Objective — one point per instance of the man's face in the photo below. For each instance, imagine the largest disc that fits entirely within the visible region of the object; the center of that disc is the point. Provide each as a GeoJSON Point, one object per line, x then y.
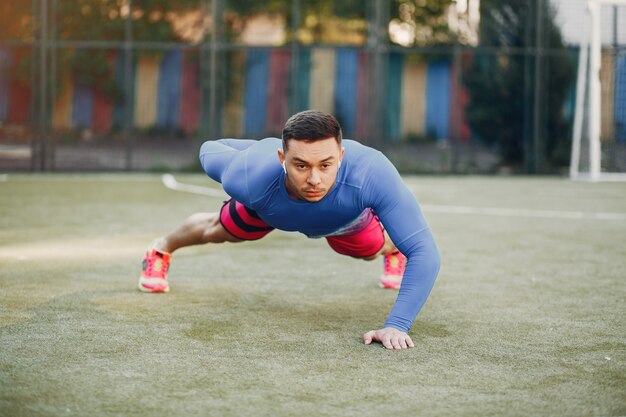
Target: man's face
{"type": "Point", "coordinates": [311, 167]}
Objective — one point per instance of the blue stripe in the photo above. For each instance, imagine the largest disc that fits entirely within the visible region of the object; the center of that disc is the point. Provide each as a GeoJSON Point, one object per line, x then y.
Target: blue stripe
{"type": "Point", "coordinates": [438, 99]}
{"type": "Point", "coordinates": [303, 82]}
{"type": "Point", "coordinates": [169, 89]}
{"type": "Point", "coordinates": [5, 65]}
{"type": "Point", "coordinates": [82, 106]}
{"type": "Point", "coordinates": [620, 98]}
{"type": "Point", "coordinates": [118, 109]}
{"type": "Point", "coordinates": [255, 96]}
{"type": "Point", "coordinates": [394, 94]}
{"type": "Point", "coordinates": [346, 78]}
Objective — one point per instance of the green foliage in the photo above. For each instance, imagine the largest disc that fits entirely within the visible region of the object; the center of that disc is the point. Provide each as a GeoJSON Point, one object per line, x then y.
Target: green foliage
{"type": "Point", "coordinates": [249, 7]}
{"type": "Point", "coordinates": [427, 17]}
{"type": "Point", "coordinates": [344, 9]}
{"type": "Point", "coordinates": [498, 85]}
{"type": "Point", "coordinates": [15, 20]}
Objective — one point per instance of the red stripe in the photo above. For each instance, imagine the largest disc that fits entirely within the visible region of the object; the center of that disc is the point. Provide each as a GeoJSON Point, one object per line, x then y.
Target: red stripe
{"type": "Point", "coordinates": [190, 95]}
{"type": "Point", "coordinates": [102, 104]}
{"type": "Point", "coordinates": [19, 91]}
{"type": "Point", "coordinates": [459, 99]}
{"type": "Point", "coordinates": [360, 245]}
{"type": "Point", "coordinates": [102, 112]}
{"type": "Point", "coordinates": [278, 86]}
{"type": "Point", "coordinates": [232, 228]}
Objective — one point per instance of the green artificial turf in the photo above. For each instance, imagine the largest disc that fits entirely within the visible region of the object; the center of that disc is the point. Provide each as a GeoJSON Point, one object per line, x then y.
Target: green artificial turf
{"type": "Point", "coordinates": [527, 317]}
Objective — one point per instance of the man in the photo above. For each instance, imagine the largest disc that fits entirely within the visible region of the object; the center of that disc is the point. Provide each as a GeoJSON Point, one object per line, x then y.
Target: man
{"type": "Point", "coordinates": [321, 186]}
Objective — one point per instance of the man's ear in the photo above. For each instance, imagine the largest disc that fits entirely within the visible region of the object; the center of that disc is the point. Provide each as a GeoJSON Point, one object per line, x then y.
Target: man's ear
{"type": "Point", "coordinates": [341, 155]}
{"type": "Point", "coordinates": [281, 158]}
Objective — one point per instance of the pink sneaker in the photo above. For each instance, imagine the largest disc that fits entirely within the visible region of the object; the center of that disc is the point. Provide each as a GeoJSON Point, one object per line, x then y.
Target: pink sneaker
{"type": "Point", "coordinates": [153, 276]}
{"type": "Point", "coordinates": [395, 263]}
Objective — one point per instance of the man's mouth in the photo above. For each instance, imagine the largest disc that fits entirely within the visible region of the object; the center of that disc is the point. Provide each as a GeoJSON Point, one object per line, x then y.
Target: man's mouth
{"type": "Point", "coordinates": [313, 192]}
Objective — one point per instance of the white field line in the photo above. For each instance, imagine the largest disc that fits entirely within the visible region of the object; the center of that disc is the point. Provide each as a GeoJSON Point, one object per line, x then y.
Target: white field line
{"type": "Point", "coordinates": [4, 177]}
{"type": "Point", "coordinates": [507, 212]}
{"type": "Point", "coordinates": [170, 182]}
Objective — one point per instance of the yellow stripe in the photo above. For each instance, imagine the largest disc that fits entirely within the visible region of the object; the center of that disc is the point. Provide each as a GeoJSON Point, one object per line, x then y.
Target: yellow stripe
{"type": "Point", "coordinates": [413, 99]}
{"type": "Point", "coordinates": [607, 75]}
{"type": "Point", "coordinates": [146, 91]}
{"type": "Point", "coordinates": [62, 112]}
{"type": "Point", "coordinates": [322, 80]}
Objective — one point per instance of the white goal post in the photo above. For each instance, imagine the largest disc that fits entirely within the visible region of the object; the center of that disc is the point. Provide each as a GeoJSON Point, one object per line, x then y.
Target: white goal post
{"type": "Point", "coordinates": [588, 107]}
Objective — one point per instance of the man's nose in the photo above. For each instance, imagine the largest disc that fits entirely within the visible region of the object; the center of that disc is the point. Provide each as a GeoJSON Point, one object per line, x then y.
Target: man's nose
{"type": "Point", "coordinates": [314, 178]}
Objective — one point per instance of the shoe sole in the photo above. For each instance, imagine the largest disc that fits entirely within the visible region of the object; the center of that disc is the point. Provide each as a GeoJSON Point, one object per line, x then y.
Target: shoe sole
{"type": "Point", "coordinates": [155, 290]}
{"type": "Point", "coordinates": [388, 286]}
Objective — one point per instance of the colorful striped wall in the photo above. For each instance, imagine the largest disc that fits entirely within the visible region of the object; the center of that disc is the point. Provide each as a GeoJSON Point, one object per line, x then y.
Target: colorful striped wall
{"type": "Point", "coordinates": [166, 93]}
{"type": "Point", "coordinates": [421, 97]}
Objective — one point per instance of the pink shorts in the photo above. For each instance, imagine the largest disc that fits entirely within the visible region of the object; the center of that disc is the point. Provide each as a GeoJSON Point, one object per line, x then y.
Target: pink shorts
{"type": "Point", "coordinates": [245, 224]}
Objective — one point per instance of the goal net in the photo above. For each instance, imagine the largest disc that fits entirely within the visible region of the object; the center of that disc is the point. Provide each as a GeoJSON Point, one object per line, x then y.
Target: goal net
{"type": "Point", "coordinates": [599, 134]}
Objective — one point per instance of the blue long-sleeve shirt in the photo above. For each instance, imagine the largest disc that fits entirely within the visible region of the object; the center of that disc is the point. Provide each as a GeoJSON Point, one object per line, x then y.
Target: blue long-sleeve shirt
{"type": "Point", "coordinates": [251, 173]}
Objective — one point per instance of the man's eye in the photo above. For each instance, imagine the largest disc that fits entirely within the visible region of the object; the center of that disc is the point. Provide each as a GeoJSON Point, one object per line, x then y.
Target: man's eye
{"type": "Point", "coordinates": [300, 166]}
{"type": "Point", "coordinates": [325, 166]}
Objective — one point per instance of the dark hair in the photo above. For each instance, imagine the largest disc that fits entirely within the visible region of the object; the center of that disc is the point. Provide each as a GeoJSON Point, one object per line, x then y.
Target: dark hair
{"type": "Point", "coordinates": [311, 125]}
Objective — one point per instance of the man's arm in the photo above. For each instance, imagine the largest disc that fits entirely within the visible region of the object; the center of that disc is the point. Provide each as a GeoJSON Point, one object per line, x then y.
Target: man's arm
{"type": "Point", "coordinates": [400, 213]}
{"type": "Point", "coordinates": [389, 337]}
{"type": "Point", "coordinates": [216, 156]}
{"type": "Point", "coordinates": [239, 144]}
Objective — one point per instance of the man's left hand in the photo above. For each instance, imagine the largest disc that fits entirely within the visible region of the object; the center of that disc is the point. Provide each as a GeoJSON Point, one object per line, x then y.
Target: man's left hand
{"type": "Point", "coordinates": [389, 337]}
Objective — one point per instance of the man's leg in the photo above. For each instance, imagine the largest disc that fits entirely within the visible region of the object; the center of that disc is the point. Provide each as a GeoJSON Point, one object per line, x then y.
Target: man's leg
{"type": "Point", "coordinates": [388, 248]}
{"type": "Point", "coordinates": [393, 266]}
{"type": "Point", "coordinates": [370, 243]}
{"type": "Point", "coordinates": [198, 229]}
{"type": "Point", "coordinates": [234, 223]}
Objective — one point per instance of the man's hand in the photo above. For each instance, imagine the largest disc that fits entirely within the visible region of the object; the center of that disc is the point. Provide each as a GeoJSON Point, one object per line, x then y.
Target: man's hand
{"type": "Point", "coordinates": [389, 337]}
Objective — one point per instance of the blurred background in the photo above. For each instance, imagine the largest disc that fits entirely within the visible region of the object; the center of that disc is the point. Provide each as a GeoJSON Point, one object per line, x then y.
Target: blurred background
{"type": "Point", "coordinates": [440, 86]}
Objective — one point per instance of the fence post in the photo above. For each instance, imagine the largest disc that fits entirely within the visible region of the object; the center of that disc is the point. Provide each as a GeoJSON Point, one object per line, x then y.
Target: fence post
{"type": "Point", "coordinates": [128, 99]}
{"type": "Point", "coordinates": [214, 128]}
{"type": "Point", "coordinates": [43, 86]}
{"type": "Point", "coordinates": [295, 99]}
{"type": "Point", "coordinates": [53, 84]}
{"type": "Point", "coordinates": [528, 91]}
{"type": "Point", "coordinates": [455, 128]}
{"type": "Point", "coordinates": [537, 154]}
{"type": "Point", "coordinates": [376, 43]}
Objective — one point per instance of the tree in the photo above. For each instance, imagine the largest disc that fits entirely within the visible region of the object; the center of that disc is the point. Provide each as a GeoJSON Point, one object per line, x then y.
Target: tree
{"type": "Point", "coordinates": [425, 20]}
{"type": "Point", "coordinates": [15, 20]}
{"type": "Point", "coordinates": [500, 84]}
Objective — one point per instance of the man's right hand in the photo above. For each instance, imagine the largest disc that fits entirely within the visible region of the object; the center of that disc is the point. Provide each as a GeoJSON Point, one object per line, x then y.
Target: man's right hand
{"type": "Point", "coordinates": [389, 337]}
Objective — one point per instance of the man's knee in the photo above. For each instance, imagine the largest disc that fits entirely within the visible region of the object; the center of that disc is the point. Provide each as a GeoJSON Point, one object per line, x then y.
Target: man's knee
{"type": "Point", "coordinates": [214, 231]}
{"type": "Point", "coordinates": [371, 258]}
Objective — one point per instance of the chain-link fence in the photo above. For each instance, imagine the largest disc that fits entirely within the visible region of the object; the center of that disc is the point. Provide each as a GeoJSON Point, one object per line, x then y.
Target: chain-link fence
{"type": "Point", "coordinates": [463, 86]}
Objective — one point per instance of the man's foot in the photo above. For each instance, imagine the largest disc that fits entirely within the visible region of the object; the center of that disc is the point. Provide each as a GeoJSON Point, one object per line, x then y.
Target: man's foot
{"type": "Point", "coordinates": [153, 276]}
{"type": "Point", "coordinates": [395, 263]}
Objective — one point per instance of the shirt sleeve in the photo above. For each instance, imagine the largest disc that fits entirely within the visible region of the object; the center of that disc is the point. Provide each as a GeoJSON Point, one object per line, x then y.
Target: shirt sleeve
{"type": "Point", "coordinates": [400, 214]}
{"type": "Point", "coordinates": [239, 144]}
{"type": "Point", "coordinates": [217, 156]}
{"type": "Point", "coordinates": [225, 161]}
